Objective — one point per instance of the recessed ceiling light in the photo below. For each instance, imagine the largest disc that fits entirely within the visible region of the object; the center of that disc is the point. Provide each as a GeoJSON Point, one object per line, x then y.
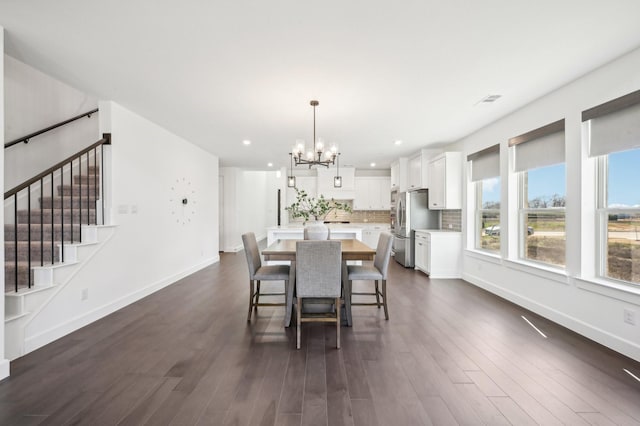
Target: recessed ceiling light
{"type": "Point", "coordinates": [398, 142]}
{"type": "Point", "coordinates": [246, 142]}
{"type": "Point", "coordinates": [373, 164]}
{"type": "Point", "coordinates": [269, 164]}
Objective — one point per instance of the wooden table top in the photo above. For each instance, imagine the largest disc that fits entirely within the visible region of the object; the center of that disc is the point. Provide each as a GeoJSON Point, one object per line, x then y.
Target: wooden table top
{"type": "Point", "coordinates": [352, 249]}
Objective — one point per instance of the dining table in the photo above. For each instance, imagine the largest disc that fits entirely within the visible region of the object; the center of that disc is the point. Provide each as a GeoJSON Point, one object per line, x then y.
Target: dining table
{"type": "Point", "coordinates": [285, 250]}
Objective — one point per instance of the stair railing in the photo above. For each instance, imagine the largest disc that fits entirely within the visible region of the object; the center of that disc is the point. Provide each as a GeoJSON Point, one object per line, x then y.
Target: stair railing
{"type": "Point", "coordinates": [26, 139]}
{"type": "Point", "coordinates": [68, 170]}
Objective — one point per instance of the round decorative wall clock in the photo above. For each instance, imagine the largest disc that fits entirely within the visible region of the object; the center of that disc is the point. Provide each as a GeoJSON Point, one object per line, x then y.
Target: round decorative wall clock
{"type": "Point", "coordinates": [183, 201]}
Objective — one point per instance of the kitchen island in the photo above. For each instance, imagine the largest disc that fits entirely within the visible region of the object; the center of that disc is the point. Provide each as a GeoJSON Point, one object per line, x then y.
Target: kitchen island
{"type": "Point", "coordinates": [295, 232]}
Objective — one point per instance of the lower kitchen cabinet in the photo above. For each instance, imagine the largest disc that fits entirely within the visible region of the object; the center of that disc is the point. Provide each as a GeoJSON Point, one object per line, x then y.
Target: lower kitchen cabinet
{"type": "Point", "coordinates": [371, 234]}
{"type": "Point", "coordinates": [438, 253]}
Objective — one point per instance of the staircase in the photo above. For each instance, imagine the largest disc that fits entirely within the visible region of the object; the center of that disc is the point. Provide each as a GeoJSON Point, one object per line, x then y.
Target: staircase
{"type": "Point", "coordinates": [54, 222]}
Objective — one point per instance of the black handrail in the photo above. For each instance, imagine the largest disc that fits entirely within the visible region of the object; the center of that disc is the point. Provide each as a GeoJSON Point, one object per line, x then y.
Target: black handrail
{"type": "Point", "coordinates": [106, 140]}
{"type": "Point", "coordinates": [25, 139]}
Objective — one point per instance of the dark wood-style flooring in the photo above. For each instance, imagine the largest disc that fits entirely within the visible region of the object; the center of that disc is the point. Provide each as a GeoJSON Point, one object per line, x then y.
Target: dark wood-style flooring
{"type": "Point", "coordinates": [450, 354]}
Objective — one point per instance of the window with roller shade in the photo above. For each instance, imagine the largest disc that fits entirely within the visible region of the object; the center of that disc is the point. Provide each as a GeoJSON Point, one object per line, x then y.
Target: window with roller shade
{"type": "Point", "coordinates": [485, 174]}
{"type": "Point", "coordinates": [613, 129]}
{"type": "Point", "coordinates": [540, 164]}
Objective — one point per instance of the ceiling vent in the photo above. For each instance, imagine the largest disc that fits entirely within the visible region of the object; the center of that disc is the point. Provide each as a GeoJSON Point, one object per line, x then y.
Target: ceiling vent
{"type": "Point", "coordinates": [489, 99]}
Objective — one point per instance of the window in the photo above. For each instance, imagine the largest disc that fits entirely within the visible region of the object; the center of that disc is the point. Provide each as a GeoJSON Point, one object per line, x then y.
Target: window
{"type": "Point", "coordinates": [539, 160]}
{"type": "Point", "coordinates": [485, 173]}
{"type": "Point", "coordinates": [614, 139]}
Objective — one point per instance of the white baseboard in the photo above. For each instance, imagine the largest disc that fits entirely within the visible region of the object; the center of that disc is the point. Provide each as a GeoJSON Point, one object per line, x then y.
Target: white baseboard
{"type": "Point", "coordinates": [4, 368]}
{"type": "Point", "coordinates": [625, 347]}
{"type": "Point", "coordinates": [45, 337]}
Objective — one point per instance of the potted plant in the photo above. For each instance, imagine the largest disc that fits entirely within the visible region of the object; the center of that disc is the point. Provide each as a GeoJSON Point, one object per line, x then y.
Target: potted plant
{"type": "Point", "coordinates": [310, 208]}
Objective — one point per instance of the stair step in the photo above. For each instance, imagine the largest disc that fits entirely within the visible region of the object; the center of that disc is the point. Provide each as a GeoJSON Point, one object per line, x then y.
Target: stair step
{"type": "Point", "coordinates": [90, 190]}
{"type": "Point", "coordinates": [79, 216]}
{"type": "Point", "coordinates": [37, 251]}
{"type": "Point", "coordinates": [47, 229]}
{"type": "Point", "coordinates": [57, 202]}
{"type": "Point", "coordinates": [92, 179]}
{"type": "Point", "coordinates": [10, 276]}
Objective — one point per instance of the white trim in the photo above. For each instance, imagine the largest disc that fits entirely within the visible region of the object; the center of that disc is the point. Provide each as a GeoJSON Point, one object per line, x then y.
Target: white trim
{"type": "Point", "coordinates": [48, 336]}
{"type": "Point", "coordinates": [615, 290]}
{"type": "Point", "coordinates": [4, 368]}
{"type": "Point", "coordinates": [484, 255]}
{"type": "Point", "coordinates": [624, 346]}
{"type": "Point", "coordinates": [538, 269]}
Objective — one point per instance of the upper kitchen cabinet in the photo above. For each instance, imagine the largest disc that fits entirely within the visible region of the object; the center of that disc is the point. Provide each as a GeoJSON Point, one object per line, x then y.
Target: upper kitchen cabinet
{"type": "Point", "coordinates": [372, 193]}
{"type": "Point", "coordinates": [418, 170]}
{"type": "Point", "coordinates": [445, 182]}
{"type": "Point", "coordinates": [399, 175]}
{"type": "Point", "coordinates": [325, 183]}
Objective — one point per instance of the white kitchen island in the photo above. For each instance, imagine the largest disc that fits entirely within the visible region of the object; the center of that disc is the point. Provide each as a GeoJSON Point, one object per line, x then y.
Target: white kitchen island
{"type": "Point", "coordinates": [295, 232]}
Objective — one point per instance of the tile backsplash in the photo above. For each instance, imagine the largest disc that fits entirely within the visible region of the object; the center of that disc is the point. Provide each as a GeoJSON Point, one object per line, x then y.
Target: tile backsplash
{"type": "Point", "coordinates": [357, 216]}
{"type": "Point", "coordinates": [453, 218]}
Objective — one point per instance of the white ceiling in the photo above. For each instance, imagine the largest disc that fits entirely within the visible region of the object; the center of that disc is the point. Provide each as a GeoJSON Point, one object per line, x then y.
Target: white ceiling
{"type": "Point", "coordinates": [217, 73]}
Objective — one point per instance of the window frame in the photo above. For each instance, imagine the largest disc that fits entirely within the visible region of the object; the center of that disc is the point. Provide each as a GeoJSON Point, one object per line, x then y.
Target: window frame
{"type": "Point", "coordinates": [479, 229]}
{"type": "Point", "coordinates": [523, 213]}
{"type": "Point", "coordinates": [602, 222]}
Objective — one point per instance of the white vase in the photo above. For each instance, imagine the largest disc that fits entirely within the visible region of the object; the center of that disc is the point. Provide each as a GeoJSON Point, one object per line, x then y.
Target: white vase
{"type": "Point", "coordinates": [316, 230]}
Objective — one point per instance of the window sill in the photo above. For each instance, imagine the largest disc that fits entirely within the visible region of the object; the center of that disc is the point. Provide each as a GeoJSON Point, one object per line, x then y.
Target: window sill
{"type": "Point", "coordinates": [487, 256]}
{"type": "Point", "coordinates": [543, 271]}
{"type": "Point", "coordinates": [616, 290]}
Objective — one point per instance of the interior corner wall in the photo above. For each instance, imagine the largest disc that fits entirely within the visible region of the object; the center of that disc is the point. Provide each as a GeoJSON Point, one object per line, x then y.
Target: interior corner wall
{"type": "Point", "coordinates": [156, 239]}
{"type": "Point", "coordinates": [33, 102]}
{"type": "Point", "coordinates": [4, 363]}
{"type": "Point", "coordinates": [250, 204]}
{"type": "Point", "coordinates": [572, 300]}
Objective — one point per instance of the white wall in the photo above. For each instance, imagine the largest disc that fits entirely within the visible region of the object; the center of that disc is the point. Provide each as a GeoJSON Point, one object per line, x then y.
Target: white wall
{"type": "Point", "coordinates": [574, 299]}
{"type": "Point", "coordinates": [4, 363]}
{"type": "Point", "coordinates": [151, 248]}
{"type": "Point", "coordinates": [250, 204]}
{"type": "Point", "coordinates": [35, 101]}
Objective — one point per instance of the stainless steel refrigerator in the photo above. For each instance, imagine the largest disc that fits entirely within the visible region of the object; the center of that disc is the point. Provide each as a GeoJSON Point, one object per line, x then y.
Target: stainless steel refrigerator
{"type": "Point", "coordinates": [412, 212]}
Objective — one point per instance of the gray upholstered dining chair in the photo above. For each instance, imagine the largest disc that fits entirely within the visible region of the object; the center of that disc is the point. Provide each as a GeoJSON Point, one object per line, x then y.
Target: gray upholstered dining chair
{"type": "Point", "coordinates": [318, 276]}
{"type": "Point", "coordinates": [376, 272]}
{"type": "Point", "coordinates": [306, 235]}
{"type": "Point", "coordinates": [259, 272]}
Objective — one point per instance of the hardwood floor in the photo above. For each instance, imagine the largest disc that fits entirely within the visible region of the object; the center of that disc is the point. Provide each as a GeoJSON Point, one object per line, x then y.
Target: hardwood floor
{"type": "Point", "coordinates": [450, 354]}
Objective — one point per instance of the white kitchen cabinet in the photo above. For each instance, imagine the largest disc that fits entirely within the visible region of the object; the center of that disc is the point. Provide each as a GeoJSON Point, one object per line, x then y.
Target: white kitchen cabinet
{"type": "Point", "coordinates": [399, 174]}
{"type": "Point", "coordinates": [372, 193]}
{"type": "Point", "coordinates": [371, 233]}
{"type": "Point", "coordinates": [325, 183]}
{"type": "Point", "coordinates": [445, 182]}
{"type": "Point", "coordinates": [418, 170]}
{"type": "Point", "coordinates": [439, 253]}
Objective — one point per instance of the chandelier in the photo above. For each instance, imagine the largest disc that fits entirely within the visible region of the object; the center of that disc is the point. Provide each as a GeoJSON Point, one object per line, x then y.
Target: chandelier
{"type": "Point", "coordinates": [317, 156]}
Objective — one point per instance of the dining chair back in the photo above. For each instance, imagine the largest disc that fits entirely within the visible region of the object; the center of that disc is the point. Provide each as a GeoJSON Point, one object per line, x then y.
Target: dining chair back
{"type": "Point", "coordinates": [259, 272]}
{"type": "Point", "coordinates": [314, 235]}
{"type": "Point", "coordinates": [318, 275]}
{"type": "Point", "coordinates": [376, 272]}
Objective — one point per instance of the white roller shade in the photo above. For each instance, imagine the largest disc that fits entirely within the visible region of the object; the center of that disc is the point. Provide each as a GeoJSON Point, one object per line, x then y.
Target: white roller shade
{"type": "Point", "coordinates": [485, 166]}
{"type": "Point", "coordinates": [540, 152]}
{"type": "Point", "coordinates": [618, 131]}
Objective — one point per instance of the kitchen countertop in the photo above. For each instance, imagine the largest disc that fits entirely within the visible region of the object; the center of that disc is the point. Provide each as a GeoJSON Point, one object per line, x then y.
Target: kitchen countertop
{"type": "Point", "coordinates": [444, 231]}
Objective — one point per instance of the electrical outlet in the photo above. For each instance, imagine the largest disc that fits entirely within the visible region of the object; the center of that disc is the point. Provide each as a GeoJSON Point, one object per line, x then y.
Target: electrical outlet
{"type": "Point", "coordinates": [451, 226]}
{"type": "Point", "coordinates": [85, 294]}
{"type": "Point", "coordinates": [629, 317]}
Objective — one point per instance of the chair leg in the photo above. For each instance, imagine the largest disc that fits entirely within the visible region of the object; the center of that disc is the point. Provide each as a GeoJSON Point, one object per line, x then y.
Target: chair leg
{"type": "Point", "coordinates": [384, 299]}
{"type": "Point", "coordinates": [257, 295]}
{"type": "Point", "coordinates": [298, 321]}
{"type": "Point", "coordinates": [338, 322]}
{"type": "Point", "coordinates": [250, 300]}
{"type": "Point", "coordinates": [377, 294]}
